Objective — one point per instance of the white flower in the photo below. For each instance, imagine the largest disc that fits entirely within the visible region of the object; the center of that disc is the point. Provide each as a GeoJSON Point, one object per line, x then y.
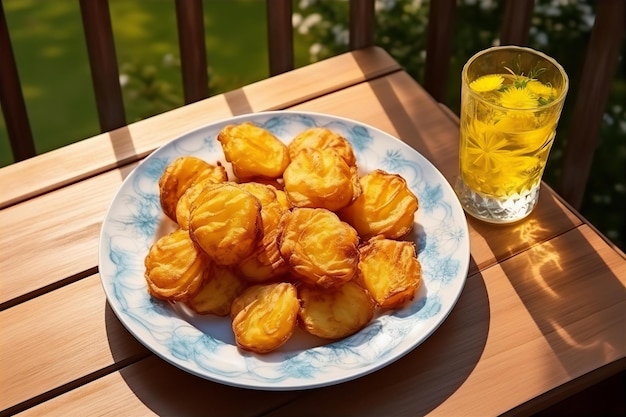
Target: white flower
{"type": "Point", "coordinates": [342, 35]}
{"type": "Point", "coordinates": [487, 4]}
{"type": "Point", "coordinates": [541, 38]}
{"type": "Point", "coordinates": [587, 15]}
{"type": "Point", "coordinates": [314, 51]}
{"type": "Point", "coordinates": [306, 3]}
{"type": "Point", "coordinates": [168, 59]}
{"type": "Point", "coordinates": [315, 48]}
{"type": "Point", "coordinates": [384, 5]}
{"type": "Point", "coordinates": [296, 19]}
{"type": "Point", "coordinates": [308, 22]}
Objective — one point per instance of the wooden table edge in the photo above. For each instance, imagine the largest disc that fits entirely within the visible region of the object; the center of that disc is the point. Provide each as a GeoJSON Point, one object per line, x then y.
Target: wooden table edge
{"type": "Point", "coordinates": [20, 181]}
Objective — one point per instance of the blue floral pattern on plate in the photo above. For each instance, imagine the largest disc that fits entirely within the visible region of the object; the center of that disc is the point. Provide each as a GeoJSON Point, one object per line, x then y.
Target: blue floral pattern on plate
{"type": "Point", "coordinates": [204, 345]}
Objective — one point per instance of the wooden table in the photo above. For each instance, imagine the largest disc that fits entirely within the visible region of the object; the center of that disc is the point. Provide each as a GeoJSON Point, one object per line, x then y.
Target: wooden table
{"type": "Point", "coordinates": [542, 314]}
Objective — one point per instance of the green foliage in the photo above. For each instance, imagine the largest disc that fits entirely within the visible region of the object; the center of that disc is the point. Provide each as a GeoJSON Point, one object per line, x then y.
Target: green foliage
{"type": "Point", "coordinates": [49, 47]}
{"type": "Point", "coordinates": [148, 92]}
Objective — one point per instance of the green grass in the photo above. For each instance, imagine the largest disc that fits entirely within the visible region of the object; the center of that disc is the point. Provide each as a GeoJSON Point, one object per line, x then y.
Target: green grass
{"type": "Point", "coordinates": [53, 70]}
{"type": "Point", "coordinates": [48, 43]}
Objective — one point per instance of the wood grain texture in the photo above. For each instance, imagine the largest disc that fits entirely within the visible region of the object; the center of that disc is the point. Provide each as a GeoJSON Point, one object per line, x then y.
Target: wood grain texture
{"type": "Point", "coordinates": [58, 338]}
{"type": "Point", "coordinates": [105, 76]}
{"type": "Point", "coordinates": [516, 21]}
{"type": "Point", "coordinates": [107, 151]}
{"type": "Point", "coordinates": [192, 47]}
{"type": "Point", "coordinates": [544, 305]}
{"type": "Point", "coordinates": [606, 45]}
{"type": "Point", "coordinates": [54, 237]}
{"type": "Point", "coordinates": [439, 40]}
{"type": "Point", "coordinates": [362, 23]}
{"type": "Point", "coordinates": [511, 337]}
{"type": "Point", "coordinates": [280, 36]}
{"type": "Point", "coordinates": [153, 387]}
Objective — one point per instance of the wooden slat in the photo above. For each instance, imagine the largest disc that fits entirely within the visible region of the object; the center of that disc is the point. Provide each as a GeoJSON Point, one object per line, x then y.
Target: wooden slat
{"type": "Point", "coordinates": [71, 217]}
{"type": "Point", "coordinates": [594, 86]}
{"type": "Point", "coordinates": [103, 63]}
{"type": "Point", "coordinates": [62, 243]}
{"type": "Point", "coordinates": [362, 24]}
{"type": "Point", "coordinates": [510, 338]}
{"type": "Point", "coordinates": [154, 387]}
{"type": "Point", "coordinates": [11, 98]}
{"type": "Point", "coordinates": [78, 336]}
{"type": "Point", "coordinates": [190, 24]}
{"type": "Point", "coordinates": [516, 22]}
{"type": "Point", "coordinates": [106, 151]}
{"type": "Point", "coordinates": [438, 47]}
{"type": "Point", "coordinates": [280, 36]}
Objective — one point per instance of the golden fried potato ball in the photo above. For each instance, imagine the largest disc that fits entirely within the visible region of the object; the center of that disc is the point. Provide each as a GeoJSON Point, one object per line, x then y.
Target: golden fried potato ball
{"type": "Point", "coordinates": [183, 208]}
{"type": "Point", "coordinates": [320, 178]}
{"type": "Point", "coordinates": [319, 248]}
{"type": "Point", "coordinates": [335, 313]}
{"type": "Point", "coordinates": [175, 267]}
{"type": "Point", "coordinates": [253, 151]}
{"type": "Point", "coordinates": [250, 294]}
{"type": "Point", "coordinates": [265, 263]}
{"type": "Point", "coordinates": [322, 138]}
{"type": "Point", "coordinates": [218, 292]}
{"type": "Point", "coordinates": [225, 221]}
{"type": "Point", "coordinates": [386, 206]}
{"type": "Point", "coordinates": [390, 271]}
{"type": "Point", "coordinates": [181, 174]}
{"type": "Point", "coordinates": [276, 183]}
{"type": "Point", "coordinates": [264, 316]}
{"type": "Point", "coordinates": [282, 198]}
{"type": "Point", "coordinates": [278, 246]}
{"type": "Point", "coordinates": [271, 208]}
{"type": "Point", "coordinates": [265, 193]}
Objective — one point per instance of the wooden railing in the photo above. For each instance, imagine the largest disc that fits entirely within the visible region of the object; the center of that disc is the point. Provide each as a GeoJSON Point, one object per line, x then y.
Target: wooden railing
{"type": "Point", "coordinates": [595, 82]}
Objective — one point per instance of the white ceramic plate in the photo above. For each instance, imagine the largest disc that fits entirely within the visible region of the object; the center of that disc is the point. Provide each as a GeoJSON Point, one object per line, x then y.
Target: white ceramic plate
{"type": "Point", "coordinates": [204, 345]}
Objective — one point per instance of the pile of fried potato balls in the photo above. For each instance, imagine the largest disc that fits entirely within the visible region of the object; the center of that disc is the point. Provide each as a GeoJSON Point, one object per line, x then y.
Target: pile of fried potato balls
{"type": "Point", "coordinates": [296, 239]}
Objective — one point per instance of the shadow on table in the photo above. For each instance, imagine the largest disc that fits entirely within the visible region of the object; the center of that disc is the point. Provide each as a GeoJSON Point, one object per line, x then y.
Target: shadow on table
{"type": "Point", "coordinates": [563, 282]}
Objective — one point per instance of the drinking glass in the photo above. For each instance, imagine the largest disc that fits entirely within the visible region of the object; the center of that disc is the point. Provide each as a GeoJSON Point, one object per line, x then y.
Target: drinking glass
{"type": "Point", "coordinates": [511, 101]}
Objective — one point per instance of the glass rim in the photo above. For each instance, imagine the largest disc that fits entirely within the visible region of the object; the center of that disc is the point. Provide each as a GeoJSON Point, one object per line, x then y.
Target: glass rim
{"type": "Point", "coordinates": [557, 101]}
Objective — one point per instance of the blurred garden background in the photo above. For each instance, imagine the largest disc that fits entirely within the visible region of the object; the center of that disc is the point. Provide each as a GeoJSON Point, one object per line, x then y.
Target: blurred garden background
{"type": "Point", "coordinates": [48, 43]}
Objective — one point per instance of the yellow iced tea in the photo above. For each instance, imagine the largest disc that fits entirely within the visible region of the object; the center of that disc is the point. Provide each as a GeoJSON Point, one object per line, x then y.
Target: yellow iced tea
{"type": "Point", "coordinates": [504, 151]}
{"type": "Point", "coordinates": [511, 101]}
